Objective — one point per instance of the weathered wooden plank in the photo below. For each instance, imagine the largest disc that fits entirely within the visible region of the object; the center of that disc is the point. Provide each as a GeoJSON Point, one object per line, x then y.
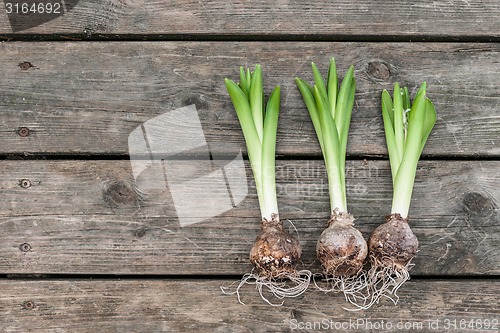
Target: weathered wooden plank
{"type": "Point", "coordinates": [81, 216]}
{"type": "Point", "coordinates": [199, 306]}
{"type": "Point", "coordinates": [87, 98]}
{"type": "Point", "coordinates": [354, 18]}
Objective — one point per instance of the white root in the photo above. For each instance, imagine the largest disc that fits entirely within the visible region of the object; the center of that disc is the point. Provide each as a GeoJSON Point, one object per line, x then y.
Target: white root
{"type": "Point", "coordinates": [383, 282]}
{"type": "Point", "coordinates": [285, 285]}
{"type": "Point", "coordinates": [354, 288]}
{"type": "Point", "coordinates": [368, 288]}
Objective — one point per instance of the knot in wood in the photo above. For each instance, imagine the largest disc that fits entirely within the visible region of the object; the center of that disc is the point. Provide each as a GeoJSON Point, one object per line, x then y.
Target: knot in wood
{"type": "Point", "coordinates": [120, 195]}
{"type": "Point", "coordinates": [378, 70]}
{"type": "Point", "coordinates": [197, 100]}
{"type": "Point", "coordinates": [477, 204]}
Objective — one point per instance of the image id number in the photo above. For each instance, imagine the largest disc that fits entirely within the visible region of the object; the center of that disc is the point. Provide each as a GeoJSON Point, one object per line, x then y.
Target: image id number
{"type": "Point", "coordinates": [34, 8]}
{"type": "Point", "coordinates": [472, 324]}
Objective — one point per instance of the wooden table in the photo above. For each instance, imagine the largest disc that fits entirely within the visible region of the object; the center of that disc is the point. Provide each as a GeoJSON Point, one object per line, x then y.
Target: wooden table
{"type": "Point", "coordinates": [83, 250]}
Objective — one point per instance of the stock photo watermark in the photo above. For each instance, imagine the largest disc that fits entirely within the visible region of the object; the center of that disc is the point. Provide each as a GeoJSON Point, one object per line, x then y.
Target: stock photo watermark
{"type": "Point", "coordinates": [26, 14]}
{"type": "Point", "coordinates": [309, 179]}
{"type": "Point", "coordinates": [170, 152]}
{"type": "Point", "coordinates": [200, 187]}
{"type": "Point", "coordinates": [370, 325]}
{"type": "Point", "coordinates": [311, 169]}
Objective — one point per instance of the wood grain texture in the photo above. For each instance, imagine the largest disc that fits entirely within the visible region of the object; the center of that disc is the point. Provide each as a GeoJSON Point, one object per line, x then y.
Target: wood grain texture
{"type": "Point", "coordinates": [447, 18]}
{"type": "Point", "coordinates": [199, 306]}
{"type": "Point", "coordinates": [91, 216]}
{"type": "Point", "coordinates": [86, 98]}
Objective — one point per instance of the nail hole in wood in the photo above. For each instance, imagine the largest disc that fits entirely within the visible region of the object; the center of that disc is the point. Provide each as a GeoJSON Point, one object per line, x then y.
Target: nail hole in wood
{"type": "Point", "coordinates": [23, 131]}
{"type": "Point", "coordinates": [25, 183]}
{"type": "Point", "coordinates": [25, 247]}
{"type": "Point", "coordinates": [141, 232]}
{"type": "Point", "coordinates": [29, 305]}
{"type": "Point", "coordinates": [25, 65]}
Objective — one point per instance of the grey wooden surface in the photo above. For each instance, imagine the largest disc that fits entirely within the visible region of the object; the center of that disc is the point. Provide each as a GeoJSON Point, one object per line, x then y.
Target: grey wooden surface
{"type": "Point", "coordinates": [346, 19]}
{"type": "Point", "coordinates": [86, 98]}
{"type": "Point", "coordinates": [84, 248]}
{"type": "Point", "coordinates": [81, 215]}
{"type": "Point", "coordinates": [192, 305]}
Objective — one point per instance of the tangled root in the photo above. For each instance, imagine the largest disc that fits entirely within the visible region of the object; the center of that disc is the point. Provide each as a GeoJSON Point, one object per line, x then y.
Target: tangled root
{"type": "Point", "coordinates": [285, 285]}
{"type": "Point", "coordinates": [341, 250]}
{"type": "Point", "coordinates": [392, 246]}
{"type": "Point", "coordinates": [383, 281]}
{"type": "Point", "coordinates": [354, 287]}
{"type": "Point", "coordinates": [275, 255]}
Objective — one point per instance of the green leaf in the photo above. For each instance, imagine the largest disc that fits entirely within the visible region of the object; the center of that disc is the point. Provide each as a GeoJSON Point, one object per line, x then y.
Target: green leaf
{"type": "Point", "coordinates": [243, 111]}
{"type": "Point", "coordinates": [344, 107]}
{"type": "Point", "coordinates": [420, 118]}
{"type": "Point", "coordinates": [388, 117]}
{"type": "Point", "coordinates": [331, 154]}
{"type": "Point", "coordinates": [244, 84]}
{"type": "Point", "coordinates": [318, 81]}
{"type": "Point", "coordinates": [269, 152]}
{"type": "Point", "coordinates": [389, 106]}
{"type": "Point", "coordinates": [416, 122]}
{"type": "Point", "coordinates": [403, 184]}
{"type": "Point", "coordinates": [429, 122]}
{"type": "Point", "coordinates": [256, 99]}
{"type": "Point", "coordinates": [406, 99]}
{"type": "Point", "coordinates": [332, 86]}
{"type": "Point", "coordinates": [345, 123]}
{"type": "Point", "coordinates": [422, 89]}
{"type": "Point", "coordinates": [399, 125]}
{"type": "Point", "coordinates": [254, 147]}
{"type": "Point", "coordinates": [330, 108]}
{"type": "Point", "coordinates": [307, 95]}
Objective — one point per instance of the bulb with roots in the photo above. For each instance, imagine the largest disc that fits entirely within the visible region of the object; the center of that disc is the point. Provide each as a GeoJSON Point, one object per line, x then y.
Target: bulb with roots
{"type": "Point", "coordinates": [393, 243]}
{"type": "Point", "coordinates": [275, 255]}
{"type": "Point", "coordinates": [392, 246]}
{"type": "Point", "coordinates": [342, 250]}
{"type": "Point", "coordinates": [275, 252]}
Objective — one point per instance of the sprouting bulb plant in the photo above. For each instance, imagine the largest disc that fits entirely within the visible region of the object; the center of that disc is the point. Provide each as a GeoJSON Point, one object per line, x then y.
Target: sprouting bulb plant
{"type": "Point", "coordinates": [392, 245]}
{"type": "Point", "coordinates": [275, 253]}
{"type": "Point", "coordinates": [341, 248]}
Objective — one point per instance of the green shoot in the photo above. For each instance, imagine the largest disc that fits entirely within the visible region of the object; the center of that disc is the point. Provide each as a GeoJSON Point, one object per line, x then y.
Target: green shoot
{"type": "Point", "coordinates": [407, 127]}
{"type": "Point", "coordinates": [330, 110]}
{"type": "Point", "coordinates": [259, 129]}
